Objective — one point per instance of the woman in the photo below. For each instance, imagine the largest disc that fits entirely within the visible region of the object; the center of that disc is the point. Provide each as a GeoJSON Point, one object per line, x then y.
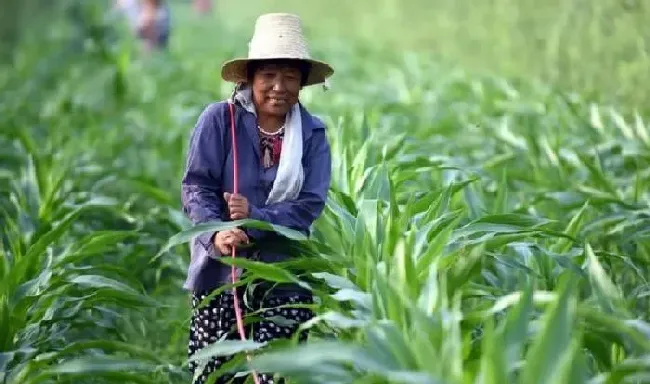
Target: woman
{"type": "Point", "coordinates": [203, 6]}
{"type": "Point", "coordinates": [130, 9]}
{"type": "Point", "coordinates": [284, 174]}
{"type": "Point", "coordinates": [153, 24]}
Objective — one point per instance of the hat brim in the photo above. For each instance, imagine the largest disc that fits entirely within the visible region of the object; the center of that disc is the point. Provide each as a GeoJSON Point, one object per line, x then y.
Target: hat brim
{"type": "Point", "coordinates": [236, 70]}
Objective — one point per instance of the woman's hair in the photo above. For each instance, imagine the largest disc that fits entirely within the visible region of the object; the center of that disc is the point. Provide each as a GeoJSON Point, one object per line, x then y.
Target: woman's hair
{"type": "Point", "coordinates": [303, 66]}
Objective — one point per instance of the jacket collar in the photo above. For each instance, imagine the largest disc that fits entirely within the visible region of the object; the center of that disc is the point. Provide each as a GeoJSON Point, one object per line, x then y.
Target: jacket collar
{"type": "Point", "coordinates": [309, 123]}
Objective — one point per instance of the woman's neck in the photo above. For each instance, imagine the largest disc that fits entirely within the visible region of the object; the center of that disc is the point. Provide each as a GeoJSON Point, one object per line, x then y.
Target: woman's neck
{"type": "Point", "coordinates": [270, 123]}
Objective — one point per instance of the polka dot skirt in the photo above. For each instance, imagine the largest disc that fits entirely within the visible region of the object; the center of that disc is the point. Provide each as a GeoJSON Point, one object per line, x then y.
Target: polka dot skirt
{"type": "Point", "coordinates": [216, 321]}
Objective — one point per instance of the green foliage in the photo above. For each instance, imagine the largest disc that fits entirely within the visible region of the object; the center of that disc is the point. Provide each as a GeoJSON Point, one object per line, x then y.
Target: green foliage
{"type": "Point", "coordinates": [477, 230]}
{"type": "Point", "coordinates": [600, 48]}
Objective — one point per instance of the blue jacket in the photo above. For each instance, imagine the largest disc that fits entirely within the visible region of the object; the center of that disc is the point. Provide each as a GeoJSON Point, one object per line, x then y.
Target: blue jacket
{"type": "Point", "coordinates": [209, 173]}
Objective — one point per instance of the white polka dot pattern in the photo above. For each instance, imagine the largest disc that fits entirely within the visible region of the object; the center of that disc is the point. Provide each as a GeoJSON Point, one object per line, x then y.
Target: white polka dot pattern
{"type": "Point", "coordinates": [216, 321]}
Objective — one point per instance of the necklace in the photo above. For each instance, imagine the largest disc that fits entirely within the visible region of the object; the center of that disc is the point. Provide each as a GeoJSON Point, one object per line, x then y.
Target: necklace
{"type": "Point", "coordinates": [279, 131]}
{"type": "Point", "coordinates": [271, 147]}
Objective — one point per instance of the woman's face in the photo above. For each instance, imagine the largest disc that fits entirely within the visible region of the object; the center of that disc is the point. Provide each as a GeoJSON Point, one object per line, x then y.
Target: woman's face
{"type": "Point", "coordinates": [276, 87]}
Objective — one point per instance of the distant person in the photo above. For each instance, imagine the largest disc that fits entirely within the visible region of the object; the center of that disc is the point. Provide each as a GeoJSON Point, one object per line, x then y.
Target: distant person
{"type": "Point", "coordinates": [149, 21]}
{"type": "Point", "coordinates": [284, 170]}
{"type": "Point", "coordinates": [130, 9]}
{"type": "Point", "coordinates": [203, 6]}
{"type": "Point", "coordinates": [153, 24]}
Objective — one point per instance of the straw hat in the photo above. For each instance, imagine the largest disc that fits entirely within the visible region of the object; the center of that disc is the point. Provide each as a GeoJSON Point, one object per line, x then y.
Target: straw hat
{"type": "Point", "coordinates": [276, 36]}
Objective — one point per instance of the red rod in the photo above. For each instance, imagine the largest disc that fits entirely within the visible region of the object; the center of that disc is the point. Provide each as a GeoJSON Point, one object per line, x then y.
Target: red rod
{"type": "Point", "coordinates": [238, 312]}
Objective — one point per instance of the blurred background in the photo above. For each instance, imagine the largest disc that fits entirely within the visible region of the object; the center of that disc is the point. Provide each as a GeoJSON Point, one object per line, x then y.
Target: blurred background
{"type": "Point", "coordinates": [598, 48]}
{"type": "Point", "coordinates": [545, 103]}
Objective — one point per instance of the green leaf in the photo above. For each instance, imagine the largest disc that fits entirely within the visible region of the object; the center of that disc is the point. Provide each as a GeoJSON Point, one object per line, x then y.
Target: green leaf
{"type": "Point", "coordinates": [607, 293]}
{"type": "Point", "coordinates": [265, 271]}
{"type": "Point", "coordinates": [97, 366]}
{"type": "Point", "coordinates": [335, 281]}
{"type": "Point", "coordinates": [187, 235]}
{"type": "Point", "coordinates": [53, 235]}
{"type": "Point", "coordinates": [515, 331]}
{"type": "Point", "coordinates": [501, 201]}
{"type": "Point", "coordinates": [226, 348]}
{"type": "Point", "coordinates": [493, 361]}
{"type": "Point", "coordinates": [554, 338]}
{"type": "Point", "coordinates": [97, 282]}
{"type": "Point", "coordinates": [572, 229]}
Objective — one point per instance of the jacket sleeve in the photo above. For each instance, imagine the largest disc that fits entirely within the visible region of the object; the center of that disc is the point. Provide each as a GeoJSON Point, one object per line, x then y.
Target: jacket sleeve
{"type": "Point", "coordinates": [201, 193]}
{"type": "Point", "coordinates": [299, 214]}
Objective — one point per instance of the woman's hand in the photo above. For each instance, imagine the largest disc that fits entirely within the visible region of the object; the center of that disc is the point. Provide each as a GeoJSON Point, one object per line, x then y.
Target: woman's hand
{"type": "Point", "coordinates": [225, 240]}
{"type": "Point", "coordinates": [237, 206]}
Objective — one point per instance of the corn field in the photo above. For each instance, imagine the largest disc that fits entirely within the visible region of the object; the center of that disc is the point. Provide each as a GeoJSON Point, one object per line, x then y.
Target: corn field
{"type": "Point", "coordinates": [478, 230]}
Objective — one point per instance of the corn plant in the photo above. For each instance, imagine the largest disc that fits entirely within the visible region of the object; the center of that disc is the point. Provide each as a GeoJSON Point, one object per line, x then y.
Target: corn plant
{"type": "Point", "coordinates": [478, 229]}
